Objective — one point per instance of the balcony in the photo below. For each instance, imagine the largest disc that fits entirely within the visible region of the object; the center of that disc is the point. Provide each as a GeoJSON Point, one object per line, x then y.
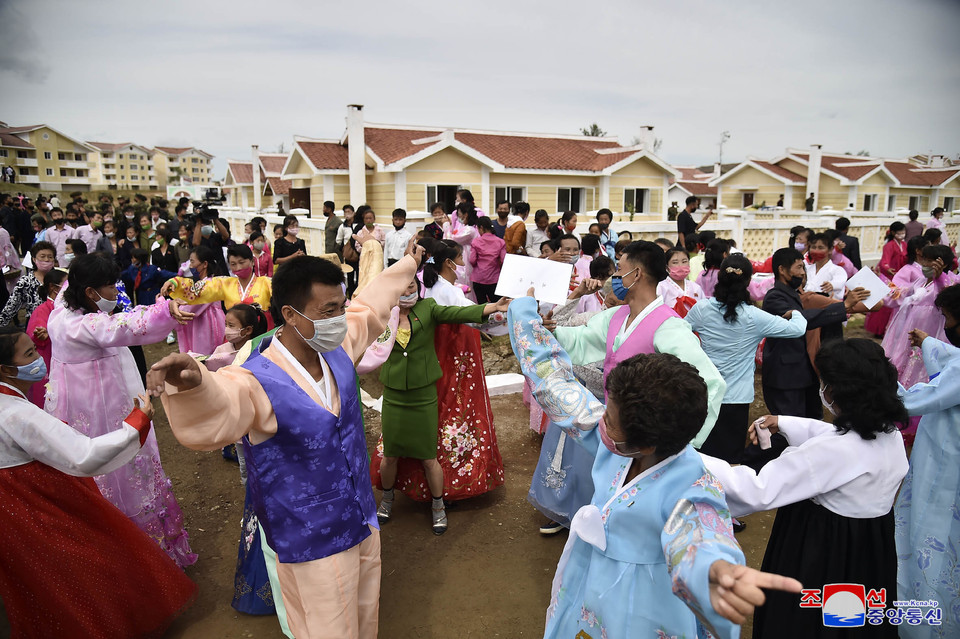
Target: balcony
{"type": "Point", "coordinates": [75, 164]}
{"type": "Point", "coordinates": [75, 180]}
{"type": "Point", "coordinates": [28, 179]}
{"type": "Point", "coordinates": [26, 161]}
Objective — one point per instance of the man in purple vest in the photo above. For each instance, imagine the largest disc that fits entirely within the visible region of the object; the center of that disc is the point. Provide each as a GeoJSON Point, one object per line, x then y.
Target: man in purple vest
{"type": "Point", "coordinates": [294, 405]}
{"type": "Point", "coordinates": [642, 325]}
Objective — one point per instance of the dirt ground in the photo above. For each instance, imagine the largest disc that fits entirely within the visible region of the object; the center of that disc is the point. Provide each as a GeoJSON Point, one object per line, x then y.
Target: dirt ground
{"type": "Point", "coordinates": [488, 576]}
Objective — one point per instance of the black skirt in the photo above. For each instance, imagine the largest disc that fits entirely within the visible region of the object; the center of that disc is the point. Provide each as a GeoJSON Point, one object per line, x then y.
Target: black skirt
{"type": "Point", "coordinates": [817, 546]}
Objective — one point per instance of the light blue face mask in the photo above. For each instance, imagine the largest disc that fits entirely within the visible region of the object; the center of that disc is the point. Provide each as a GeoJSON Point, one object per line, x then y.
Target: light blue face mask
{"type": "Point", "coordinates": [32, 372]}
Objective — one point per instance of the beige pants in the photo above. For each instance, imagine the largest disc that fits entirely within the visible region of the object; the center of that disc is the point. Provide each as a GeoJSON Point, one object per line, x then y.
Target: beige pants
{"type": "Point", "coordinates": [337, 596]}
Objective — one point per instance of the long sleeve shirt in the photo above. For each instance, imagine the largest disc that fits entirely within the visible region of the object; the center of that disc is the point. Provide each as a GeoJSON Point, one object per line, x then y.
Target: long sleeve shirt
{"type": "Point", "coordinates": [231, 403]}
{"type": "Point", "coordinates": [487, 258]}
{"type": "Point", "coordinates": [26, 295]}
{"type": "Point", "coordinates": [90, 236]}
{"type": "Point", "coordinates": [731, 345]}
{"type": "Point", "coordinates": [588, 344]}
{"type": "Point", "coordinates": [28, 433]}
{"type": "Point", "coordinates": [395, 244]}
{"type": "Point", "coordinates": [829, 272]}
{"type": "Point", "coordinates": [844, 473]}
{"type": "Point", "coordinates": [535, 237]}
{"type": "Point", "coordinates": [59, 237]}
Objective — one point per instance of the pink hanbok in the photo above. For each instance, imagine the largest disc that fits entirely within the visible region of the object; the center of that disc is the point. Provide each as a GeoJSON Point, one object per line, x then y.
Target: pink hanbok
{"type": "Point", "coordinates": [916, 310]}
{"type": "Point", "coordinates": [707, 280]}
{"type": "Point", "coordinates": [205, 332]}
{"type": "Point", "coordinates": [93, 381]}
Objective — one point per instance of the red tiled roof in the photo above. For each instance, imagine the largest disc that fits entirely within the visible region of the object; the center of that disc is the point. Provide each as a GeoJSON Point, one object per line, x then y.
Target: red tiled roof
{"type": "Point", "coordinates": [9, 139]}
{"type": "Point", "coordinates": [850, 172]}
{"type": "Point", "coordinates": [393, 145]}
{"type": "Point", "coordinates": [242, 172]}
{"type": "Point", "coordinates": [278, 186]}
{"type": "Point", "coordinates": [779, 170]}
{"type": "Point", "coordinates": [908, 176]}
{"type": "Point", "coordinates": [273, 163]}
{"type": "Point", "coordinates": [23, 129]}
{"type": "Point", "coordinates": [173, 150]}
{"type": "Point", "coordinates": [689, 173]}
{"type": "Point", "coordinates": [698, 188]}
{"type": "Point", "coordinates": [109, 146]}
{"type": "Point", "coordinates": [326, 155]}
{"type": "Point", "coordinates": [544, 153]}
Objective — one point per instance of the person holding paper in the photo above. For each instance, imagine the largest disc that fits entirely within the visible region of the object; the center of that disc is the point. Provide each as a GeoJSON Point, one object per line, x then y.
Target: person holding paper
{"type": "Point", "coordinates": [823, 276]}
{"type": "Point", "coordinates": [410, 406]}
{"type": "Point", "coordinates": [643, 325]}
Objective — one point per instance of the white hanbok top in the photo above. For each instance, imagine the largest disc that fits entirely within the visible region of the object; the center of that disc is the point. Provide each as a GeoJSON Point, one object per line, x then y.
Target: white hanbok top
{"type": "Point", "coordinates": [829, 272]}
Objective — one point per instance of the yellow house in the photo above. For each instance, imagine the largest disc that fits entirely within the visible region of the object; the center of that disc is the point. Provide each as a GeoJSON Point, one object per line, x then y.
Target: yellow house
{"type": "Point", "coordinates": [187, 164]}
{"type": "Point", "coordinates": [240, 184]}
{"type": "Point", "coordinates": [126, 165]}
{"type": "Point", "coordinates": [48, 159]}
{"type": "Point", "coordinates": [396, 166]}
{"type": "Point", "coordinates": [756, 182]}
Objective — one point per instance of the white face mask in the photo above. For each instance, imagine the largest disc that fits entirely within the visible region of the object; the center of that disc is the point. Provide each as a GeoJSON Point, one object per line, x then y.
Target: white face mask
{"type": "Point", "coordinates": [328, 334]}
{"type": "Point", "coordinates": [408, 301]}
{"type": "Point", "coordinates": [826, 404]}
{"type": "Point", "coordinates": [68, 257]}
{"type": "Point", "coordinates": [104, 304]}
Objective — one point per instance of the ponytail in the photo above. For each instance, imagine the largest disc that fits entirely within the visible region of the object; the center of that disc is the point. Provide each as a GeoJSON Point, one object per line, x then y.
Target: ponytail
{"type": "Point", "coordinates": [442, 251]}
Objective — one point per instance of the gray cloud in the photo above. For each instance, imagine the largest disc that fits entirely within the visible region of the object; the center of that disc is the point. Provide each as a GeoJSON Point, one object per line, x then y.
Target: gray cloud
{"type": "Point", "coordinates": [21, 56]}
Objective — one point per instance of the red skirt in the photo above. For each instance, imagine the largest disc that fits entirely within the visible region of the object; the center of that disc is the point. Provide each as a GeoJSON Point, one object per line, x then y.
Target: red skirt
{"type": "Point", "coordinates": [466, 443]}
{"type": "Point", "coordinates": [73, 565]}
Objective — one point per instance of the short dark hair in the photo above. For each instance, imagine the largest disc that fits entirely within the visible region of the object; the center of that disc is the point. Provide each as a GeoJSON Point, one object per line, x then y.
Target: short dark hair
{"type": "Point", "coordinates": [568, 236]}
{"type": "Point", "coordinates": [914, 244]}
{"type": "Point", "coordinates": [913, 214]}
{"type": "Point", "coordinates": [438, 205]}
{"type": "Point", "coordinates": [349, 206]}
{"type": "Point", "coordinates": [89, 271]}
{"type": "Point", "coordinates": [842, 224]}
{"type": "Point", "coordinates": [932, 235]}
{"type": "Point", "coordinates": [949, 300]}
{"type": "Point", "coordinates": [40, 246]}
{"type": "Point", "coordinates": [9, 336]}
{"type": "Point", "coordinates": [399, 213]}
{"type": "Point", "coordinates": [330, 205]}
{"type": "Point", "coordinates": [499, 202]}
{"type": "Point", "coordinates": [606, 212]}
{"type": "Point", "coordinates": [649, 256]}
{"type": "Point", "coordinates": [521, 208]}
{"type": "Point", "coordinates": [691, 200]}
{"type": "Point", "coordinates": [785, 257]}
{"type": "Point", "coordinates": [141, 255]}
{"type": "Point", "coordinates": [939, 252]}
{"type": "Point", "coordinates": [54, 278]}
{"type": "Point", "coordinates": [733, 281]}
{"type": "Point", "coordinates": [294, 279]}
{"type": "Point", "coordinates": [79, 247]}
{"type": "Point", "coordinates": [662, 401]}
{"type": "Point", "coordinates": [601, 267]}
{"type": "Point", "coordinates": [551, 244]}
{"type": "Point", "coordinates": [241, 250]}
{"type": "Point", "coordinates": [540, 214]}
{"type": "Point", "coordinates": [820, 237]}
{"type": "Point", "coordinates": [863, 385]}
{"type": "Point", "coordinates": [589, 244]}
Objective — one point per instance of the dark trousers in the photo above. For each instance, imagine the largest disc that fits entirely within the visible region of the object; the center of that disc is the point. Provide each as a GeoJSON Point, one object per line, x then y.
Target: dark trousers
{"type": "Point", "coordinates": [729, 435]}
{"type": "Point", "coordinates": [137, 351]}
{"type": "Point", "coordinates": [485, 293]}
{"type": "Point", "coordinates": [352, 278]}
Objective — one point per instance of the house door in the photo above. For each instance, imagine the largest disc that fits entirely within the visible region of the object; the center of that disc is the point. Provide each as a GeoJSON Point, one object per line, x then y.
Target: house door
{"type": "Point", "coordinates": [300, 198]}
{"type": "Point", "coordinates": [747, 199]}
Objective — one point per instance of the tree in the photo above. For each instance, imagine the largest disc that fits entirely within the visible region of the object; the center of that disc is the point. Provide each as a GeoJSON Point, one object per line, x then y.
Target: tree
{"type": "Point", "coordinates": [593, 131]}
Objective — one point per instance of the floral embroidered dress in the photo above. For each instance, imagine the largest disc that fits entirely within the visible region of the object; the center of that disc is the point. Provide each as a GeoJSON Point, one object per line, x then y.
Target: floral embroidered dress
{"type": "Point", "coordinates": [225, 289]}
{"type": "Point", "coordinates": [637, 561]}
{"type": "Point", "coordinates": [93, 380]}
{"type": "Point", "coordinates": [928, 507]}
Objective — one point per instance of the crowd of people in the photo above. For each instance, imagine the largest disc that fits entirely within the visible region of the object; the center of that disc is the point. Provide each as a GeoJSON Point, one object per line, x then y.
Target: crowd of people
{"type": "Point", "coordinates": [641, 384]}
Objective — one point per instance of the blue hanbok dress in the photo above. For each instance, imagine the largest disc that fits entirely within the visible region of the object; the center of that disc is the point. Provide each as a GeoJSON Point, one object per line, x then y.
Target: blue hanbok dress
{"type": "Point", "coordinates": [251, 589]}
{"type": "Point", "coordinates": [928, 508]}
{"type": "Point", "coordinates": [637, 561]}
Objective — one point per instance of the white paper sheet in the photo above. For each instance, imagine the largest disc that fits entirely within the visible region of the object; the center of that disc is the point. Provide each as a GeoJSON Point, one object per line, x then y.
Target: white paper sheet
{"type": "Point", "coordinates": [550, 279]}
{"type": "Point", "coordinates": [869, 280]}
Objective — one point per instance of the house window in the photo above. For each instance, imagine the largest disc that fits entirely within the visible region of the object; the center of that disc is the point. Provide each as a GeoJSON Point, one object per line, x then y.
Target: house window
{"type": "Point", "coordinates": [891, 203]}
{"type": "Point", "coordinates": [120, 155]}
{"type": "Point", "coordinates": [78, 157]}
{"type": "Point", "coordinates": [445, 194]}
{"type": "Point", "coordinates": [49, 172]}
{"type": "Point", "coordinates": [133, 167]}
{"type": "Point", "coordinates": [81, 173]}
{"type": "Point", "coordinates": [914, 202]}
{"type": "Point", "coordinates": [746, 199]}
{"type": "Point", "coordinates": [870, 202]}
{"type": "Point", "coordinates": [63, 173]}
{"type": "Point", "coordinates": [635, 200]}
{"type": "Point", "coordinates": [3, 153]}
{"type": "Point", "coordinates": [511, 194]}
{"type": "Point", "coordinates": [569, 199]}
{"type": "Point", "coordinates": [62, 157]}
{"type": "Point", "coordinates": [22, 154]}
{"type": "Point", "coordinates": [47, 155]}
{"type": "Point", "coordinates": [121, 167]}
{"type": "Point", "coordinates": [193, 160]}
{"type": "Point", "coordinates": [948, 203]}
{"type": "Point", "coordinates": [134, 178]}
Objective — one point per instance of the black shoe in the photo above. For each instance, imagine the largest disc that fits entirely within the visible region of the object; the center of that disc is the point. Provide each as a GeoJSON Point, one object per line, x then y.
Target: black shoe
{"type": "Point", "coordinates": [738, 526]}
{"type": "Point", "coordinates": [551, 528]}
{"type": "Point", "coordinates": [230, 453]}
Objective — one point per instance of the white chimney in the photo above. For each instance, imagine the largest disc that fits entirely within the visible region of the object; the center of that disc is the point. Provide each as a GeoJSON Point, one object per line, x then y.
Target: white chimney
{"type": "Point", "coordinates": [937, 162]}
{"type": "Point", "coordinates": [257, 189]}
{"type": "Point", "coordinates": [717, 169]}
{"type": "Point", "coordinates": [356, 154]}
{"type": "Point", "coordinates": [813, 174]}
{"type": "Point", "coordinates": [646, 138]}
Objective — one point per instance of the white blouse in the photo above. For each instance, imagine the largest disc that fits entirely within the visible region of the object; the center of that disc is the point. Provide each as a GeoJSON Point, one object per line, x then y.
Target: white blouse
{"type": "Point", "coordinates": [27, 433]}
{"type": "Point", "coordinates": [446, 294]}
{"type": "Point", "coordinates": [847, 475]}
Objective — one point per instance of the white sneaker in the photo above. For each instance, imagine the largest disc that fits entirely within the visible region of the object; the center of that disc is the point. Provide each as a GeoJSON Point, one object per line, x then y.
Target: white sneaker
{"type": "Point", "coordinates": [172, 338]}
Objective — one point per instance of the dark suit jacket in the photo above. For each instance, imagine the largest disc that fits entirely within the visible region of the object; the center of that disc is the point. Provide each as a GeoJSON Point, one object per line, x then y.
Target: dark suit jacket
{"type": "Point", "coordinates": [852, 250]}
{"type": "Point", "coordinates": [416, 365]}
{"type": "Point", "coordinates": [785, 361]}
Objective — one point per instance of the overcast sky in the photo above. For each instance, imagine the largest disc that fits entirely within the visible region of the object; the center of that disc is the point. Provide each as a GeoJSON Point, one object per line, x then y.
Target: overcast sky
{"type": "Point", "coordinates": [879, 75]}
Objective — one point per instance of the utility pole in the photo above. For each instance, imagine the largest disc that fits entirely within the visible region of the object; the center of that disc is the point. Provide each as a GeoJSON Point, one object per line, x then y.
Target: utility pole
{"type": "Point", "coordinates": [723, 138]}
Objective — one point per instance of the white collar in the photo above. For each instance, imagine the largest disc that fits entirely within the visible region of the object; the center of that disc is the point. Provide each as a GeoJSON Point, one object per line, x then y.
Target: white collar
{"type": "Point", "coordinates": [639, 477]}
{"type": "Point", "coordinates": [323, 393]}
{"type": "Point", "coordinates": [626, 330]}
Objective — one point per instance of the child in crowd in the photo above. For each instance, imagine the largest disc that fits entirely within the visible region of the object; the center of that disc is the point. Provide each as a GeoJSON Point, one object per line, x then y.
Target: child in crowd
{"type": "Point", "coordinates": [664, 243]}
{"type": "Point", "coordinates": [823, 276]}
{"type": "Point", "coordinates": [538, 235]}
{"type": "Point", "coordinates": [486, 258]}
{"type": "Point", "coordinates": [262, 261]}
{"type": "Point", "coordinates": [674, 553]}
{"type": "Point", "coordinates": [147, 278]}
{"type": "Point", "coordinates": [37, 328]}
{"type": "Point", "coordinates": [397, 239]}
{"type": "Point", "coordinates": [589, 249]}
{"type": "Point", "coordinates": [677, 291]}
{"type": "Point", "coordinates": [714, 254]}
{"type": "Point", "coordinates": [834, 489]}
